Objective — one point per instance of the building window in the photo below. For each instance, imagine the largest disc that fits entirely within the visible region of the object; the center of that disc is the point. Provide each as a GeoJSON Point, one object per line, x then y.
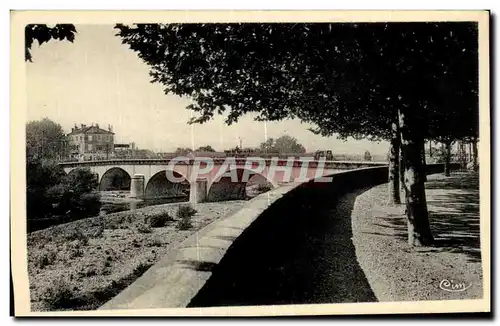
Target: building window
{"type": "Point", "coordinates": [89, 147]}
{"type": "Point", "coordinates": [90, 137]}
{"type": "Point", "coordinates": [99, 137]}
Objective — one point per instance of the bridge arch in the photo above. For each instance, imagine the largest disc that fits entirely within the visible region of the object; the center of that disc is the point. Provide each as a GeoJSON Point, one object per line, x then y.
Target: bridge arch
{"type": "Point", "coordinates": [159, 186]}
{"type": "Point", "coordinates": [115, 178]}
{"type": "Point", "coordinates": [223, 188]}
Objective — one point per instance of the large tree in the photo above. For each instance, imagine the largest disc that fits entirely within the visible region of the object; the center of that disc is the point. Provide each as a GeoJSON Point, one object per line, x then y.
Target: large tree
{"type": "Point", "coordinates": [362, 80]}
{"type": "Point", "coordinates": [45, 140]}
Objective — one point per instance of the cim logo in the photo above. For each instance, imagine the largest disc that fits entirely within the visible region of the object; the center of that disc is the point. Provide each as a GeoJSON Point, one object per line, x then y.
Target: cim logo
{"type": "Point", "coordinates": [452, 286]}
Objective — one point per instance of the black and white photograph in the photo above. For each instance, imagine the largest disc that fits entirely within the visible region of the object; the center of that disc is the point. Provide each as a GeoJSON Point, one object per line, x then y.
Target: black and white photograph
{"type": "Point", "coordinates": [250, 163]}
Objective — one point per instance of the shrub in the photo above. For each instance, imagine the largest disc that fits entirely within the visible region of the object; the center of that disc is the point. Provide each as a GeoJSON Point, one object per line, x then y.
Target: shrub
{"type": "Point", "coordinates": [158, 220]}
{"type": "Point", "coordinates": [144, 228]}
{"type": "Point", "coordinates": [81, 181]}
{"type": "Point", "coordinates": [60, 295]}
{"type": "Point", "coordinates": [154, 243]}
{"type": "Point", "coordinates": [75, 253]}
{"type": "Point", "coordinates": [76, 234]}
{"type": "Point", "coordinates": [185, 211]}
{"type": "Point", "coordinates": [98, 231]}
{"type": "Point", "coordinates": [185, 223]}
{"type": "Point", "coordinates": [45, 258]}
{"type": "Point", "coordinates": [85, 205]}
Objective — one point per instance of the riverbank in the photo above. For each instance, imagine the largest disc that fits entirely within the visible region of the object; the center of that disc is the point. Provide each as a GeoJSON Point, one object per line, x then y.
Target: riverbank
{"type": "Point", "coordinates": [449, 270]}
{"type": "Point", "coordinates": [82, 264]}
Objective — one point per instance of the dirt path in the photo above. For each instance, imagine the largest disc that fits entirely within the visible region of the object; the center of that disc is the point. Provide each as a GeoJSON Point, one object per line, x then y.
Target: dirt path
{"type": "Point", "coordinates": [397, 272]}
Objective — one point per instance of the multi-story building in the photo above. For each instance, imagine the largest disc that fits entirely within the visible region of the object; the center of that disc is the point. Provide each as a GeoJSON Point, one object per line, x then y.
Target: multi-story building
{"type": "Point", "coordinates": [91, 142]}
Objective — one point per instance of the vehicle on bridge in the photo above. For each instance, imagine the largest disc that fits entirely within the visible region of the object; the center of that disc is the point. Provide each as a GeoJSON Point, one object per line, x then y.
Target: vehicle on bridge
{"type": "Point", "coordinates": [323, 153]}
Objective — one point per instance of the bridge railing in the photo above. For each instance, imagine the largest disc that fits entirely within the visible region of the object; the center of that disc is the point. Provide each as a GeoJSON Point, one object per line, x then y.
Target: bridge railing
{"type": "Point", "coordinates": [298, 161]}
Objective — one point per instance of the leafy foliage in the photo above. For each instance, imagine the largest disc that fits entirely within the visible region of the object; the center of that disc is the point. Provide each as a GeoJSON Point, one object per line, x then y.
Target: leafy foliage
{"type": "Point", "coordinates": [282, 145]}
{"type": "Point", "coordinates": [159, 220]}
{"type": "Point", "coordinates": [144, 228]}
{"type": "Point", "coordinates": [185, 214]}
{"type": "Point", "coordinates": [44, 258]}
{"type": "Point", "coordinates": [207, 148]}
{"type": "Point", "coordinates": [185, 211]}
{"type": "Point", "coordinates": [43, 33]}
{"type": "Point", "coordinates": [58, 296]}
{"type": "Point", "coordinates": [49, 191]}
{"type": "Point", "coordinates": [45, 140]}
{"type": "Point", "coordinates": [348, 79]}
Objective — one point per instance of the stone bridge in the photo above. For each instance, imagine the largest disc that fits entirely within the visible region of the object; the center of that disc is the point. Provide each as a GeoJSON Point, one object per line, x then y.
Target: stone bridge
{"type": "Point", "coordinates": [206, 179]}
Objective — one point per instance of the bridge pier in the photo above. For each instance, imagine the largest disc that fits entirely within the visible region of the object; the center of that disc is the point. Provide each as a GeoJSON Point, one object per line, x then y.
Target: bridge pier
{"type": "Point", "coordinates": [137, 186]}
{"type": "Point", "coordinates": [198, 191]}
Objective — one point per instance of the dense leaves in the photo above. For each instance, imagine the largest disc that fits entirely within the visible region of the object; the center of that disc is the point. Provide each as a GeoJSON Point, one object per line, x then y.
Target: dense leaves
{"type": "Point", "coordinates": [50, 192]}
{"type": "Point", "coordinates": [282, 145]}
{"type": "Point", "coordinates": [43, 33]}
{"type": "Point", "coordinates": [348, 79]}
{"type": "Point", "coordinates": [206, 148]}
{"type": "Point", "coordinates": [45, 140]}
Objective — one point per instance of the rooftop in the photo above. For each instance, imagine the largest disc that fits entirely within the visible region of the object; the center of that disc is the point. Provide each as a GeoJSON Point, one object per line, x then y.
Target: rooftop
{"type": "Point", "coordinates": [92, 129]}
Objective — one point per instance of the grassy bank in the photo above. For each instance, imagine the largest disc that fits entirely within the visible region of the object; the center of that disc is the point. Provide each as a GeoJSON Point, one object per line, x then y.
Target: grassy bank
{"type": "Point", "coordinates": [82, 264]}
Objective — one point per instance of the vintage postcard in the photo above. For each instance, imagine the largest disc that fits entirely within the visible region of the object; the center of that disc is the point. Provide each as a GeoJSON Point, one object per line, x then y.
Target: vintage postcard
{"type": "Point", "coordinates": [250, 163]}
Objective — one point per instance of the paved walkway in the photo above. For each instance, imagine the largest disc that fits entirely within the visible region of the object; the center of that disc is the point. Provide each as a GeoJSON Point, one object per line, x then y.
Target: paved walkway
{"type": "Point", "coordinates": [397, 272]}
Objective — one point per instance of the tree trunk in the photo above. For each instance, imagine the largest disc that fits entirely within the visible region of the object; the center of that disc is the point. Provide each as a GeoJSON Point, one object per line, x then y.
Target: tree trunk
{"type": "Point", "coordinates": [424, 163]}
{"type": "Point", "coordinates": [447, 158]}
{"type": "Point", "coordinates": [474, 155]}
{"type": "Point", "coordinates": [402, 191]}
{"type": "Point", "coordinates": [419, 232]}
{"type": "Point", "coordinates": [394, 196]}
{"type": "Point", "coordinates": [430, 148]}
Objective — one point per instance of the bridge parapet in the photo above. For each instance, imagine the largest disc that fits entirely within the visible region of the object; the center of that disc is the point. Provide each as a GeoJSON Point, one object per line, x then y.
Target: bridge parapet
{"type": "Point", "coordinates": [218, 161]}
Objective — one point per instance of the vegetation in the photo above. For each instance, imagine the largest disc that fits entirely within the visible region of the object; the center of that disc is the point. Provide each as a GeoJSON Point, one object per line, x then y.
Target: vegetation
{"type": "Point", "coordinates": [59, 296]}
{"type": "Point", "coordinates": [144, 228]}
{"type": "Point", "coordinates": [185, 214]}
{"type": "Point", "coordinates": [282, 145]}
{"type": "Point", "coordinates": [185, 211]}
{"type": "Point", "coordinates": [50, 192]}
{"type": "Point", "coordinates": [95, 269]}
{"type": "Point", "coordinates": [207, 148]}
{"type": "Point", "coordinates": [42, 33]}
{"type": "Point", "coordinates": [402, 82]}
{"type": "Point", "coordinates": [159, 220]}
{"type": "Point", "coordinates": [45, 258]}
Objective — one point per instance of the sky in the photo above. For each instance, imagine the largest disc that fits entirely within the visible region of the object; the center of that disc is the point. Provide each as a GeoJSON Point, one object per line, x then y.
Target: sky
{"type": "Point", "coordinates": [96, 79]}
